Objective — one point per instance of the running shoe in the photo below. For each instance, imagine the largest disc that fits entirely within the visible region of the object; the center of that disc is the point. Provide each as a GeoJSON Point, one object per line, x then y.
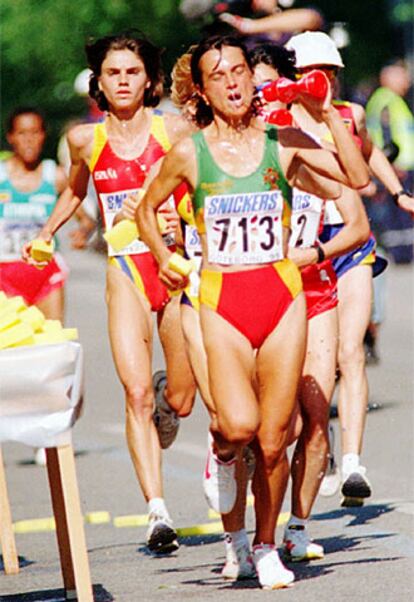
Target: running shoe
{"type": "Point", "coordinates": [239, 561]}
{"type": "Point", "coordinates": [159, 380]}
{"type": "Point", "coordinates": [355, 488]}
{"type": "Point", "coordinates": [271, 572]}
{"type": "Point", "coordinates": [161, 535]}
{"type": "Point", "coordinates": [165, 419]}
{"type": "Point", "coordinates": [40, 456]}
{"type": "Point", "coordinates": [220, 486]}
{"type": "Point", "coordinates": [249, 458]}
{"type": "Point", "coordinates": [299, 546]}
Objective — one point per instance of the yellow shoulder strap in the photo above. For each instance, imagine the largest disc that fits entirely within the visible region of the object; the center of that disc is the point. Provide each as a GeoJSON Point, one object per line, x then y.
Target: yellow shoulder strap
{"type": "Point", "coordinates": [158, 130]}
{"type": "Point", "coordinates": [99, 140]}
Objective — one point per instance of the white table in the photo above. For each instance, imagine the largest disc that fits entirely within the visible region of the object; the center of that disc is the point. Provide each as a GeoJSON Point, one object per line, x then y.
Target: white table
{"type": "Point", "coordinates": [41, 391]}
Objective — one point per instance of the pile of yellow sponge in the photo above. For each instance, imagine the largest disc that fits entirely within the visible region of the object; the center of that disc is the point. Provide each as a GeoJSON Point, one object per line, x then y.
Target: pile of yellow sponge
{"type": "Point", "coordinates": [26, 325]}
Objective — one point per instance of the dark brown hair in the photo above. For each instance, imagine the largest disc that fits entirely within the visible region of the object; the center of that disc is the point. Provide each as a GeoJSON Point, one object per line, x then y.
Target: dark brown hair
{"type": "Point", "coordinates": [133, 40]}
{"type": "Point", "coordinates": [204, 114]}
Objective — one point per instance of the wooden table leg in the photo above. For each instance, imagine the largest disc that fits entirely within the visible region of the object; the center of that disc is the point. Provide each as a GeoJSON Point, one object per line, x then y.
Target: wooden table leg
{"type": "Point", "coordinates": [69, 523]}
{"type": "Point", "coordinates": [8, 543]}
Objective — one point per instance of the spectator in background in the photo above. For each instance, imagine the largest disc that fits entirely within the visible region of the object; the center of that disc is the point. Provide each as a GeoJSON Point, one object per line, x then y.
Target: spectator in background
{"type": "Point", "coordinates": [271, 23]}
{"type": "Point", "coordinates": [391, 125]}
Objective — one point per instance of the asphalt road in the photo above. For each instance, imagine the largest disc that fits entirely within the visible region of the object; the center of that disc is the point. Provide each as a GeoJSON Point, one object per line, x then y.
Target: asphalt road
{"type": "Point", "coordinates": [369, 550]}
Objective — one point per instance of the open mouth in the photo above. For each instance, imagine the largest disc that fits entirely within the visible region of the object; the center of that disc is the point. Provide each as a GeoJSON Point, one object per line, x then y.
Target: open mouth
{"type": "Point", "coordinates": [235, 99]}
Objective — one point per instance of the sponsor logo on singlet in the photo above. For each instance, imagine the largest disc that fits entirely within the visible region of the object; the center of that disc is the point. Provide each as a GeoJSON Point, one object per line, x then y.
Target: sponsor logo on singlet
{"type": "Point", "coordinates": [242, 203]}
{"type": "Point", "coordinates": [106, 174]}
{"type": "Point", "coordinates": [5, 197]}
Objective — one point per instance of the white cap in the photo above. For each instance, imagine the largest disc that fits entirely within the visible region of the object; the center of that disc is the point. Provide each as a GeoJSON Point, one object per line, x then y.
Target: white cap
{"type": "Point", "coordinates": [81, 83]}
{"type": "Point", "coordinates": [314, 48]}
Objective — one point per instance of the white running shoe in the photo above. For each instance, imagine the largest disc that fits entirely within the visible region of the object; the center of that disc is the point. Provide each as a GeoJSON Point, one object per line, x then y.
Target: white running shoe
{"type": "Point", "coordinates": [271, 572]}
{"type": "Point", "coordinates": [165, 419]}
{"type": "Point", "coordinates": [161, 535]}
{"type": "Point", "coordinates": [239, 561]}
{"type": "Point", "coordinates": [355, 487]}
{"type": "Point", "coordinates": [40, 456]}
{"type": "Point", "coordinates": [220, 486]}
{"type": "Point", "coordinates": [331, 481]}
{"type": "Point", "coordinates": [299, 546]}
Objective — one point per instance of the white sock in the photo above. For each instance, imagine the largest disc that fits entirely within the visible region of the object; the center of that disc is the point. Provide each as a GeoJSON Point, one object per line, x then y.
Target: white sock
{"type": "Point", "coordinates": [295, 520]}
{"type": "Point", "coordinates": [237, 537]}
{"type": "Point", "coordinates": [157, 506]}
{"type": "Point", "coordinates": [350, 462]}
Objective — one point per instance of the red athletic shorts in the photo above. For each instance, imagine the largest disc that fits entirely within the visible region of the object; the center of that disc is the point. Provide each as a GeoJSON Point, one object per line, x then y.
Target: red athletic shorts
{"type": "Point", "coordinates": [20, 278]}
{"type": "Point", "coordinates": [320, 288]}
{"type": "Point", "coordinates": [142, 270]}
{"type": "Point", "coordinates": [253, 301]}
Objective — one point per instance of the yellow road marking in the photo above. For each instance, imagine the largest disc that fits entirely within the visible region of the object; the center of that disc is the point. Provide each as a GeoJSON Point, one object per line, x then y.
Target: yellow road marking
{"type": "Point", "coordinates": [203, 529]}
{"type": "Point", "coordinates": [34, 525]}
{"type": "Point", "coordinates": [98, 518]}
{"type": "Point", "coordinates": [131, 520]}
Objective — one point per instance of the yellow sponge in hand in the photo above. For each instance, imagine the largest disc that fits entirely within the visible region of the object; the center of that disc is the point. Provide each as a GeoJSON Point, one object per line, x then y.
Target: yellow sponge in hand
{"type": "Point", "coordinates": [180, 265]}
{"type": "Point", "coordinates": [121, 235]}
{"type": "Point", "coordinates": [42, 250]}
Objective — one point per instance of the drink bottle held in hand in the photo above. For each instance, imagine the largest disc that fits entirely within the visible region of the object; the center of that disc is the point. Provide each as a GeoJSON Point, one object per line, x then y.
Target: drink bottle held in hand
{"type": "Point", "coordinates": [314, 83]}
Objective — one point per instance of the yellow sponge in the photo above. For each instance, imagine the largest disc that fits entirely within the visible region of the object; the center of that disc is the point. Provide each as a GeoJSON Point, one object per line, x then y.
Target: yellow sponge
{"type": "Point", "coordinates": [70, 334]}
{"type": "Point", "coordinates": [8, 319]}
{"type": "Point", "coordinates": [13, 304]}
{"type": "Point", "coordinates": [180, 265]}
{"type": "Point", "coordinates": [33, 316]}
{"type": "Point", "coordinates": [16, 335]}
{"type": "Point", "coordinates": [48, 338]}
{"type": "Point", "coordinates": [3, 299]}
{"type": "Point", "coordinates": [42, 250]}
{"type": "Point", "coordinates": [121, 235]}
{"type": "Point", "coordinates": [52, 326]}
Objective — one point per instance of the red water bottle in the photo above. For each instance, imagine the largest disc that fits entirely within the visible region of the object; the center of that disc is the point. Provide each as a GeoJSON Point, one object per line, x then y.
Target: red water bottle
{"type": "Point", "coordinates": [280, 117]}
{"type": "Point", "coordinates": [315, 83]}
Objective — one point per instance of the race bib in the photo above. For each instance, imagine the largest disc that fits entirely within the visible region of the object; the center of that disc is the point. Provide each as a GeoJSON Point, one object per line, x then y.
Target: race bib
{"type": "Point", "coordinates": [111, 205]}
{"type": "Point", "coordinates": [244, 228]}
{"type": "Point", "coordinates": [305, 219]}
{"type": "Point", "coordinates": [19, 224]}
{"type": "Point", "coordinates": [332, 215]}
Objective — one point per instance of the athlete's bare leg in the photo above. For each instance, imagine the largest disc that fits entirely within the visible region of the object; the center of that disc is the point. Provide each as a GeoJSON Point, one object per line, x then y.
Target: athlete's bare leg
{"type": "Point", "coordinates": [354, 310]}
{"type": "Point", "coordinates": [53, 305]}
{"type": "Point", "coordinates": [181, 387]}
{"type": "Point", "coordinates": [279, 366]}
{"type": "Point", "coordinates": [234, 520]}
{"type": "Point", "coordinates": [315, 393]}
{"type": "Point", "coordinates": [131, 335]}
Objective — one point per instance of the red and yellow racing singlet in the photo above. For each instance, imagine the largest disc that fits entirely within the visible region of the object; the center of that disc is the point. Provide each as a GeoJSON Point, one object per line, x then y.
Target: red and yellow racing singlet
{"type": "Point", "coordinates": [115, 178]}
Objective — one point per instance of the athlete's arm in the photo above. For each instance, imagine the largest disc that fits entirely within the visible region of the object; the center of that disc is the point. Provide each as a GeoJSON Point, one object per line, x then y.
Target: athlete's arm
{"type": "Point", "coordinates": [297, 19]}
{"type": "Point", "coordinates": [74, 193]}
{"type": "Point", "coordinates": [178, 166]}
{"type": "Point", "coordinates": [61, 179]}
{"type": "Point", "coordinates": [354, 233]}
{"type": "Point", "coordinates": [378, 162]}
{"type": "Point", "coordinates": [356, 228]}
{"type": "Point", "coordinates": [308, 180]}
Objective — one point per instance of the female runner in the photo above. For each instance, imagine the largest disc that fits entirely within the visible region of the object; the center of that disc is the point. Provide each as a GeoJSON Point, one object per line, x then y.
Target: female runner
{"type": "Point", "coordinates": [118, 153]}
{"type": "Point", "coordinates": [252, 309]}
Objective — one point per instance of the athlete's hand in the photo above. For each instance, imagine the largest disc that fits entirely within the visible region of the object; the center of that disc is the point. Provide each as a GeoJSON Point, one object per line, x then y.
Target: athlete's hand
{"type": "Point", "coordinates": [169, 277]}
{"type": "Point", "coordinates": [303, 257]}
{"type": "Point", "coordinates": [170, 216]}
{"type": "Point", "coordinates": [26, 252]}
{"type": "Point", "coordinates": [406, 203]}
{"type": "Point", "coordinates": [319, 108]}
{"type": "Point", "coordinates": [239, 23]}
{"type": "Point", "coordinates": [129, 206]}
